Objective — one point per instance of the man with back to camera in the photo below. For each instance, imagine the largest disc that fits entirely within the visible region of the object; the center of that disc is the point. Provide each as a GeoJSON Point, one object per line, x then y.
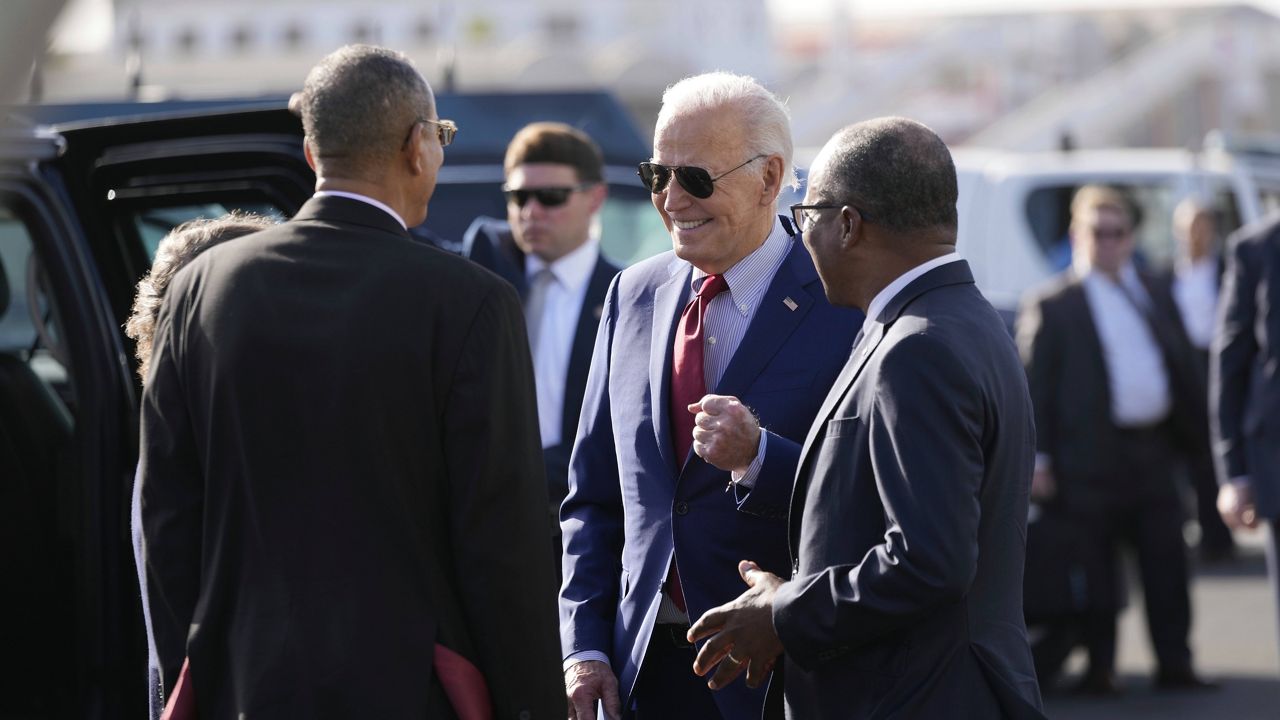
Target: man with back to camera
{"type": "Point", "coordinates": [644, 484]}
{"type": "Point", "coordinates": [1113, 382]}
{"type": "Point", "coordinates": [910, 503]}
{"type": "Point", "coordinates": [554, 188]}
{"type": "Point", "coordinates": [339, 468]}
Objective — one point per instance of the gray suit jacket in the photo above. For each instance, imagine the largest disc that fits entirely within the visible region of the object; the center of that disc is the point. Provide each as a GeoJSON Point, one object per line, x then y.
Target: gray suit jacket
{"type": "Point", "coordinates": [1245, 366]}
{"type": "Point", "coordinates": [908, 521]}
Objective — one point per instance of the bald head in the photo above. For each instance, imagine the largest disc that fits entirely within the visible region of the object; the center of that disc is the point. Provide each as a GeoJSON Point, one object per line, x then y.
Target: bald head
{"type": "Point", "coordinates": [896, 171]}
{"type": "Point", "coordinates": [357, 106]}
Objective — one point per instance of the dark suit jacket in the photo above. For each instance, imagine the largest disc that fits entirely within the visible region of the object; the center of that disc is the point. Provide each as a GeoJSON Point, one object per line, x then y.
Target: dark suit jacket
{"type": "Point", "coordinates": [908, 521]}
{"type": "Point", "coordinates": [1245, 366]}
{"type": "Point", "coordinates": [339, 469]}
{"type": "Point", "coordinates": [631, 498]}
{"type": "Point", "coordinates": [1067, 374]}
{"type": "Point", "coordinates": [489, 243]}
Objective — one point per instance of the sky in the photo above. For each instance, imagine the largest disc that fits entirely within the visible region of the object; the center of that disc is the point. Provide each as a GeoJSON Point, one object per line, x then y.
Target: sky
{"type": "Point", "coordinates": [86, 25]}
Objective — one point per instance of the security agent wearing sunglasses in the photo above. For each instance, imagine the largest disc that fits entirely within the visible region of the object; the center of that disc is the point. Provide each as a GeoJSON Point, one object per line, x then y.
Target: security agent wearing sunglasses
{"type": "Point", "coordinates": [710, 364]}
{"type": "Point", "coordinates": [554, 188]}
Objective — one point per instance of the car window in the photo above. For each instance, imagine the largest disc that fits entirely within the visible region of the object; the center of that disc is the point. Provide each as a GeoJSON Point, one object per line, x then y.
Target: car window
{"type": "Point", "coordinates": [152, 224]}
{"type": "Point", "coordinates": [631, 230]}
{"type": "Point", "coordinates": [28, 319]}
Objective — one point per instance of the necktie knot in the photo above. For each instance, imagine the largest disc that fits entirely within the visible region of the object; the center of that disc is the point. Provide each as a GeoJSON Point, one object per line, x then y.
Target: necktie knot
{"type": "Point", "coordinates": [712, 286]}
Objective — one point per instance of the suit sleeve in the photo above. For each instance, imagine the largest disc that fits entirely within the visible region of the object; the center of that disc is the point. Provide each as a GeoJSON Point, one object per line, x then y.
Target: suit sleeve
{"type": "Point", "coordinates": [770, 496]}
{"type": "Point", "coordinates": [925, 440]}
{"type": "Point", "coordinates": [1038, 348]}
{"type": "Point", "coordinates": [498, 516]}
{"type": "Point", "coordinates": [1234, 348]}
{"type": "Point", "coordinates": [172, 495]}
{"type": "Point", "coordinates": [591, 518]}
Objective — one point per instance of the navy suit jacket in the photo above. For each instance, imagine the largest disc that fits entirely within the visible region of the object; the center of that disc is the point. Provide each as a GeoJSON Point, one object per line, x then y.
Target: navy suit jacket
{"type": "Point", "coordinates": [489, 243]}
{"type": "Point", "coordinates": [908, 522]}
{"type": "Point", "coordinates": [1245, 366]}
{"type": "Point", "coordinates": [630, 504]}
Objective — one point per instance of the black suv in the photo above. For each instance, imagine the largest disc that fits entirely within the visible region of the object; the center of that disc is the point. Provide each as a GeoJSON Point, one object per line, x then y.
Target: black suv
{"type": "Point", "coordinates": [86, 194]}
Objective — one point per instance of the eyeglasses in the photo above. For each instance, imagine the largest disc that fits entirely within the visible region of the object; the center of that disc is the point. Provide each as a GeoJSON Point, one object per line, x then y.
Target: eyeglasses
{"type": "Point", "coordinates": [1109, 234]}
{"type": "Point", "coordinates": [546, 196]}
{"type": "Point", "coordinates": [446, 130]}
{"type": "Point", "coordinates": [695, 180]}
{"type": "Point", "coordinates": [804, 217]}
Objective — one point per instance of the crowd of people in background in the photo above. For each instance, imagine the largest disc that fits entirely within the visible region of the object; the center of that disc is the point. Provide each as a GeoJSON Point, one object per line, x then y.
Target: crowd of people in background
{"type": "Point", "coordinates": [796, 466]}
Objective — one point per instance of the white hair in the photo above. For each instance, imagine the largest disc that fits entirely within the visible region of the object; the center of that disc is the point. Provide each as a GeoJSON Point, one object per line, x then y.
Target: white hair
{"type": "Point", "coordinates": [764, 116]}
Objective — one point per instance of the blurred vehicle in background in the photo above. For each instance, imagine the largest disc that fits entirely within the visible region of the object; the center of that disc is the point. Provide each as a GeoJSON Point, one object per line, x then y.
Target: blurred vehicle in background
{"type": "Point", "coordinates": [1014, 208]}
{"type": "Point", "coordinates": [86, 194]}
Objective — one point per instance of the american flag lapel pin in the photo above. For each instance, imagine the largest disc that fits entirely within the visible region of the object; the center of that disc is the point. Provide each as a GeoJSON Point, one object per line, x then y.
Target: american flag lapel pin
{"type": "Point", "coordinates": [791, 304]}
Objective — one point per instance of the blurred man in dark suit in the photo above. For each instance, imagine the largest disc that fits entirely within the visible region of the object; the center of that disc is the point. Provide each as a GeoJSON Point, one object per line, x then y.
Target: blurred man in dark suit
{"type": "Point", "coordinates": [1245, 378]}
{"type": "Point", "coordinates": [549, 250]}
{"type": "Point", "coordinates": [1193, 282]}
{"type": "Point", "coordinates": [910, 500]}
{"type": "Point", "coordinates": [1116, 401]}
{"type": "Point", "coordinates": [340, 477]}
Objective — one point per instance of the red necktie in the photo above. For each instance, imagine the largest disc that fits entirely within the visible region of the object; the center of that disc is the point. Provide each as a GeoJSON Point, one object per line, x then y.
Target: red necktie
{"type": "Point", "coordinates": [688, 385]}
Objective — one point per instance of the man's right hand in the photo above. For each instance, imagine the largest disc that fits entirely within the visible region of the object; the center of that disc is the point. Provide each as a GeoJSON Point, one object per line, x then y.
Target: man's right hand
{"type": "Point", "coordinates": [1235, 505]}
{"type": "Point", "coordinates": [1043, 485]}
{"type": "Point", "coordinates": [587, 682]}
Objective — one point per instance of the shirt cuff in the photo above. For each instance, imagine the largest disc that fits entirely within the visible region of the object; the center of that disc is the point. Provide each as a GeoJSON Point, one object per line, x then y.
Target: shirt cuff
{"type": "Point", "coordinates": [1043, 462]}
{"type": "Point", "coordinates": [747, 479]}
{"type": "Point", "coordinates": [584, 656]}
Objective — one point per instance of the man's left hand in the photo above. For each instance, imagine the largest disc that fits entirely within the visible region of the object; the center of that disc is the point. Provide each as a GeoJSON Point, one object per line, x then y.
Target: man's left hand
{"type": "Point", "coordinates": [741, 632]}
{"type": "Point", "coordinates": [725, 432]}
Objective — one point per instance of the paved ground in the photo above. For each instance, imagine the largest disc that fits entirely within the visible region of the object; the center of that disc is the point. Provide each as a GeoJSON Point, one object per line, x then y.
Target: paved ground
{"type": "Point", "coordinates": [1234, 640]}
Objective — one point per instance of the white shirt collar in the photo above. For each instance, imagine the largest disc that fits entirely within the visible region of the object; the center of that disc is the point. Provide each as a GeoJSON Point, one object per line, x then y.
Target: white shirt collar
{"type": "Point", "coordinates": [885, 296]}
{"type": "Point", "coordinates": [364, 199]}
{"type": "Point", "coordinates": [573, 270]}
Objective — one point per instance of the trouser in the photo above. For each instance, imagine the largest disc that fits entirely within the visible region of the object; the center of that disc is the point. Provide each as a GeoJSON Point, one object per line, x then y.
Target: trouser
{"type": "Point", "coordinates": [1273, 564]}
{"type": "Point", "coordinates": [1145, 513]}
{"type": "Point", "coordinates": [666, 688]}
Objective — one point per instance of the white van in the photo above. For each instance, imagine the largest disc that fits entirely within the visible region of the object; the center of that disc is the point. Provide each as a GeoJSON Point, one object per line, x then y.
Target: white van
{"type": "Point", "coordinates": [1014, 208]}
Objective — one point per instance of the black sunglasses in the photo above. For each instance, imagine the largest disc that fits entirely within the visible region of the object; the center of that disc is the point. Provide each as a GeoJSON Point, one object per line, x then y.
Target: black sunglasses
{"type": "Point", "coordinates": [695, 180]}
{"type": "Point", "coordinates": [804, 218]}
{"type": "Point", "coordinates": [546, 196]}
{"type": "Point", "coordinates": [446, 130]}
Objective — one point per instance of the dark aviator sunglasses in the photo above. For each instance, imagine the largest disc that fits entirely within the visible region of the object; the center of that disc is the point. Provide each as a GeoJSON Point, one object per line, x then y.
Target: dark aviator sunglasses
{"type": "Point", "coordinates": [695, 180]}
{"type": "Point", "coordinates": [546, 196]}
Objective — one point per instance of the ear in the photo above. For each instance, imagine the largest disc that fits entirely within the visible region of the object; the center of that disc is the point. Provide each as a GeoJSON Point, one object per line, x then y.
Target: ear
{"type": "Point", "coordinates": [306, 153]}
{"type": "Point", "coordinates": [852, 229]}
{"type": "Point", "coordinates": [598, 195]}
{"type": "Point", "coordinates": [416, 157]}
{"type": "Point", "coordinates": [772, 179]}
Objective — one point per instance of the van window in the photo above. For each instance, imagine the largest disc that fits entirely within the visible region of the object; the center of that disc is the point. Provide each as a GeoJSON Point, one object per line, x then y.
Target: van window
{"type": "Point", "coordinates": [1048, 211]}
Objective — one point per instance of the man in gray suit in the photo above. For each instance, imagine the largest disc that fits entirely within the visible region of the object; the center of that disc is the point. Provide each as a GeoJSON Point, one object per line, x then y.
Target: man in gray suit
{"type": "Point", "coordinates": [1244, 375]}
{"type": "Point", "coordinates": [909, 508]}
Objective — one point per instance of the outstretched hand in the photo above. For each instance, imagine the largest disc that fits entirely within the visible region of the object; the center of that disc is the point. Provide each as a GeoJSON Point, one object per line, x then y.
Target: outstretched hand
{"type": "Point", "coordinates": [741, 632]}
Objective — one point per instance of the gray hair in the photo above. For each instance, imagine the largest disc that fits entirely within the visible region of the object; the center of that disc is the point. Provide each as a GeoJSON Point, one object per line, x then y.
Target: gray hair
{"type": "Point", "coordinates": [175, 251]}
{"type": "Point", "coordinates": [358, 104]}
{"type": "Point", "coordinates": [896, 170]}
{"type": "Point", "coordinates": [764, 117]}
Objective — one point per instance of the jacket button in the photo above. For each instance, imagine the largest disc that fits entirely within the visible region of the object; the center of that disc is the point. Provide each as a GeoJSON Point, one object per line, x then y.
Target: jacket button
{"type": "Point", "coordinates": [682, 508]}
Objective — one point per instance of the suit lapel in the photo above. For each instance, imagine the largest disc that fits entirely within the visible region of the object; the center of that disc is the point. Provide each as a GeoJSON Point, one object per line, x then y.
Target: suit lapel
{"type": "Point", "coordinates": [668, 302]}
{"type": "Point", "coordinates": [575, 379]}
{"type": "Point", "coordinates": [774, 322]}
{"type": "Point", "coordinates": [1087, 339]}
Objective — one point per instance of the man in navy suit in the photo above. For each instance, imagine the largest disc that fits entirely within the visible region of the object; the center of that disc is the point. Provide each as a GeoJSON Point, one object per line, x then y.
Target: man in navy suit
{"type": "Point", "coordinates": [548, 250]}
{"type": "Point", "coordinates": [909, 513]}
{"type": "Point", "coordinates": [1245, 382]}
{"type": "Point", "coordinates": [737, 310]}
